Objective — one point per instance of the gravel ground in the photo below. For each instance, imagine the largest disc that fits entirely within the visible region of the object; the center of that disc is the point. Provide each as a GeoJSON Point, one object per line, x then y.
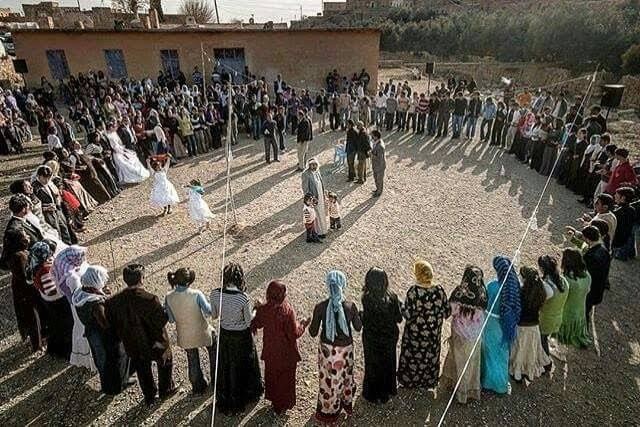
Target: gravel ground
{"type": "Point", "coordinates": [451, 202]}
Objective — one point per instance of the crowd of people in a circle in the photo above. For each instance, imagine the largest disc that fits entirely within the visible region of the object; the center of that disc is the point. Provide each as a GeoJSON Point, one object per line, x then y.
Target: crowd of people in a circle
{"type": "Point", "coordinates": [63, 304]}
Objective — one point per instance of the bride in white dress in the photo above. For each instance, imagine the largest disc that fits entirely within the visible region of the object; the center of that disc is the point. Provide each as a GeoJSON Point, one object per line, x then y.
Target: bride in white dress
{"type": "Point", "coordinates": [129, 168]}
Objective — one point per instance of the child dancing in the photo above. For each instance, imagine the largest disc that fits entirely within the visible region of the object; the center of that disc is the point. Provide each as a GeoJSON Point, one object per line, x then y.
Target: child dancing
{"type": "Point", "coordinates": [163, 193]}
{"type": "Point", "coordinates": [198, 209]}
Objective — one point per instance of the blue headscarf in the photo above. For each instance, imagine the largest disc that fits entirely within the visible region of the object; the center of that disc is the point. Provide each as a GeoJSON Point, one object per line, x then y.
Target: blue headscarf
{"type": "Point", "coordinates": [336, 281]}
{"type": "Point", "coordinates": [509, 297]}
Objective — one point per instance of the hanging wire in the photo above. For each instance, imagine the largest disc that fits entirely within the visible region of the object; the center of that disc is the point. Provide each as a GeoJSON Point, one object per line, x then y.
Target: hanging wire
{"type": "Point", "coordinates": [222, 264]}
{"type": "Point", "coordinates": [516, 255]}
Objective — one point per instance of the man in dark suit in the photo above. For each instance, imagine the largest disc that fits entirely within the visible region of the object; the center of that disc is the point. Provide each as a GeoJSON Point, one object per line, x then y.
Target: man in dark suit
{"type": "Point", "coordinates": [126, 134]}
{"type": "Point", "coordinates": [138, 319]}
{"type": "Point", "coordinates": [598, 261]}
{"type": "Point", "coordinates": [269, 130]}
{"type": "Point", "coordinates": [279, 85]}
{"type": "Point", "coordinates": [304, 135]}
{"type": "Point", "coordinates": [19, 207]}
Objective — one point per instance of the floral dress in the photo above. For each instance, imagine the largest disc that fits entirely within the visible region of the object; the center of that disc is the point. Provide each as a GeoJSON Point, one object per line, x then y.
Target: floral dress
{"type": "Point", "coordinates": [425, 310]}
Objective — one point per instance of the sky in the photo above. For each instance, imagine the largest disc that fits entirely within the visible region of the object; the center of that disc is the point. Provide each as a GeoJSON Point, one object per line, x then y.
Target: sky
{"type": "Point", "coordinates": [263, 10]}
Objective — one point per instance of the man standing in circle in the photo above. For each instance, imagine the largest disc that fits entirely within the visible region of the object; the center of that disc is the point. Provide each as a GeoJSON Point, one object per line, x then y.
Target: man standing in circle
{"type": "Point", "coordinates": [378, 161]}
{"type": "Point", "coordinates": [312, 184]}
{"type": "Point", "coordinates": [269, 131]}
{"type": "Point", "coordinates": [303, 138]}
{"type": "Point", "coordinates": [363, 148]}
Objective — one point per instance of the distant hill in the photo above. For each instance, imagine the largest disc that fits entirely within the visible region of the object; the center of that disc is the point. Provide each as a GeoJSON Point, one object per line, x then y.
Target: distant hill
{"type": "Point", "coordinates": [577, 34]}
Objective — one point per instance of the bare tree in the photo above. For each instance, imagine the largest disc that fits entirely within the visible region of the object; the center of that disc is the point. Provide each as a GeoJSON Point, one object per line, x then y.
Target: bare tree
{"type": "Point", "coordinates": [130, 6]}
{"type": "Point", "coordinates": [201, 10]}
{"type": "Point", "coordinates": [157, 5]}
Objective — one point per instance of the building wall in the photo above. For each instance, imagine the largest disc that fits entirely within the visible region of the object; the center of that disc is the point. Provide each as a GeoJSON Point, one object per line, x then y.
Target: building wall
{"type": "Point", "coordinates": [303, 57]}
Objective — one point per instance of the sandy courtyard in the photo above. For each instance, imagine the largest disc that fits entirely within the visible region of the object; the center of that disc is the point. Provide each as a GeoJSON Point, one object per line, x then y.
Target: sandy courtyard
{"type": "Point", "coordinates": [451, 202]}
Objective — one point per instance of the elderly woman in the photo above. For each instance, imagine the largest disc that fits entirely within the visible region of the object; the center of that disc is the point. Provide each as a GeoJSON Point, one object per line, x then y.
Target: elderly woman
{"type": "Point", "coordinates": [312, 184]}
{"type": "Point", "coordinates": [238, 377]}
{"type": "Point", "coordinates": [425, 308]}
{"type": "Point", "coordinates": [68, 266]}
{"type": "Point", "coordinates": [503, 309]}
{"type": "Point", "coordinates": [108, 354]}
{"type": "Point", "coordinates": [468, 303]}
{"type": "Point", "coordinates": [337, 318]}
{"type": "Point", "coordinates": [281, 330]}
{"type": "Point", "coordinates": [54, 305]}
{"type": "Point", "coordinates": [380, 318]}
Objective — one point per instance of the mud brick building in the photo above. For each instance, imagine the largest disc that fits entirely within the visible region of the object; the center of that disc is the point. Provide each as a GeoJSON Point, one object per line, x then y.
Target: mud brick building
{"type": "Point", "coordinates": [303, 57]}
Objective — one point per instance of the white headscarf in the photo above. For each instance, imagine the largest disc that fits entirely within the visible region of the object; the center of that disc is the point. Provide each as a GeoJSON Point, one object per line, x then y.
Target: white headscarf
{"type": "Point", "coordinates": [95, 278]}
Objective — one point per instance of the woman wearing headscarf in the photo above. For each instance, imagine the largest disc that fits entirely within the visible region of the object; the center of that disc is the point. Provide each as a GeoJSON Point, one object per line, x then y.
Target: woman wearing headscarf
{"type": "Point", "coordinates": [380, 318]}
{"type": "Point", "coordinates": [55, 307]}
{"type": "Point", "coordinates": [468, 303]}
{"type": "Point", "coordinates": [312, 184]}
{"type": "Point", "coordinates": [280, 354]}
{"type": "Point", "coordinates": [556, 291]}
{"type": "Point", "coordinates": [68, 266]}
{"type": "Point", "coordinates": [503, 309]}
{"type": "Point", "coordinates": [108, 353]}
{"type": "Point", "coordinates": [25, 299]}
{"type": "Point", "coordinates": [425, 308]}
{"type": "Point", "coordinates": [337, 318]}
{"type": "Point", "coordinates": [574, 330]}
{"type": "Point", "coordinates": [238, 373]}
{"type": "Point", "coordinates": [528, 359]}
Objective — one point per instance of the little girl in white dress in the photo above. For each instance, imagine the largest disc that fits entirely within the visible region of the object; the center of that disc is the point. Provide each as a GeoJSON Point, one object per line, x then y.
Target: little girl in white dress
{"type": "Point", "coordinates": [198, 209]}
{"type": "Point", "coordinates": [163, 193]}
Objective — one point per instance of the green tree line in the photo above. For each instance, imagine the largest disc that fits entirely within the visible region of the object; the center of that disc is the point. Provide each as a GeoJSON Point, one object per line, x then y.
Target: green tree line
{"type": "Point", "coordinates": [576, 34]}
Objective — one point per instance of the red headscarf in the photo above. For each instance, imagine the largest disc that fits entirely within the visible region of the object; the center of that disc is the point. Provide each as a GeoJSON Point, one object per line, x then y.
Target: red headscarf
{"type": "Point", "coordinates": [277, 306]}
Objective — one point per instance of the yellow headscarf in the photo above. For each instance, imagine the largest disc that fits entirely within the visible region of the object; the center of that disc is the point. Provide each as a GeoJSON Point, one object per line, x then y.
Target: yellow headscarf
{"type": "Point", "coordinates": [423, 272]}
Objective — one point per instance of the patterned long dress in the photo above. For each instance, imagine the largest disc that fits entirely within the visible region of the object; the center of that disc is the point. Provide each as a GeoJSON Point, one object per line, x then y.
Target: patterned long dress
{"type": "Point", "coordinates": [425, 310]}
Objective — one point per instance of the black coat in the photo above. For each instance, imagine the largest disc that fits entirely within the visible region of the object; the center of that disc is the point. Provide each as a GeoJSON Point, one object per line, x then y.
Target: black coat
{"type": "Point", "coordinates": [352, 141]}
{"type": "Point", "coordinates": [363, 144]}
{"type": "Point", "coordinates": [304, 131]}
{"type": "Point", "coordinates": [598, 261]}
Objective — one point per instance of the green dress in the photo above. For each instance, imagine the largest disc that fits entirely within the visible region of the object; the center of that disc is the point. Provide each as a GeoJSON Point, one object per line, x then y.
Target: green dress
{"type": "Point", "coordinates": [573, 330]}
{"type": "Point", "coordinates": [552, 310]}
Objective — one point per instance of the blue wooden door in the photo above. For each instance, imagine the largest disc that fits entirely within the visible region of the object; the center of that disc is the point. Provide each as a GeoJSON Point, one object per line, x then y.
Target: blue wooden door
{"type": "Point", "coordinates": [170, 62]}
{"type": "Point", "coordinates": [58, 65]}
{"type": "Point", "coordinates": [116, 67]}
{"type": "Point", "coordinates": [231, 61]}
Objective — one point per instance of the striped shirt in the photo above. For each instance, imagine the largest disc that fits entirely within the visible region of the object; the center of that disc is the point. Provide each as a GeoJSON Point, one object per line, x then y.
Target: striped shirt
{"type": "Point", "coordinates": [44, 283]}
{"type": "Point", "coordinates": [236, 310]}
{"type": "Point", "coordinates": [423, 105]}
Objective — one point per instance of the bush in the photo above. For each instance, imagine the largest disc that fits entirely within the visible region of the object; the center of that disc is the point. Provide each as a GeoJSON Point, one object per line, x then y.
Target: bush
{"type": "Point", "coordinates": [631, 60]}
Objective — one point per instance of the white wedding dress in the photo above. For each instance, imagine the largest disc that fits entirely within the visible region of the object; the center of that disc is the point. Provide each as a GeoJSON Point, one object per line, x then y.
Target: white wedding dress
{"type": "Point", "coordinates": [129, 168]}
{"type": "Point", "coordinates": [163, 193]}
{"type": "Point", "coordinates": [198, 209]}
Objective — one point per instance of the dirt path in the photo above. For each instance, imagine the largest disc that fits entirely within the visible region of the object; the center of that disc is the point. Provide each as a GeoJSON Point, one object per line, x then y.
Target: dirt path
{"type": "Point", "coordinates": [452, 202]}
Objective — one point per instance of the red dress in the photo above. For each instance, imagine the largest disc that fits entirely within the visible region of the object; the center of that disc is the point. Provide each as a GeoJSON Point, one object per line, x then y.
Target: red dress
{"type": "Point", "coordinates": [279, 351]}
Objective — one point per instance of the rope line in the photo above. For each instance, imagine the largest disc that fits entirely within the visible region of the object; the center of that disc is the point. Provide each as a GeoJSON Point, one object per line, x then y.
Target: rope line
{"type": "Point", "coordinates": [523, 88]}
{"type": "Point", "coordinates": [511, 264]}
{"type": "Point", "coordinates": [223, 260]}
